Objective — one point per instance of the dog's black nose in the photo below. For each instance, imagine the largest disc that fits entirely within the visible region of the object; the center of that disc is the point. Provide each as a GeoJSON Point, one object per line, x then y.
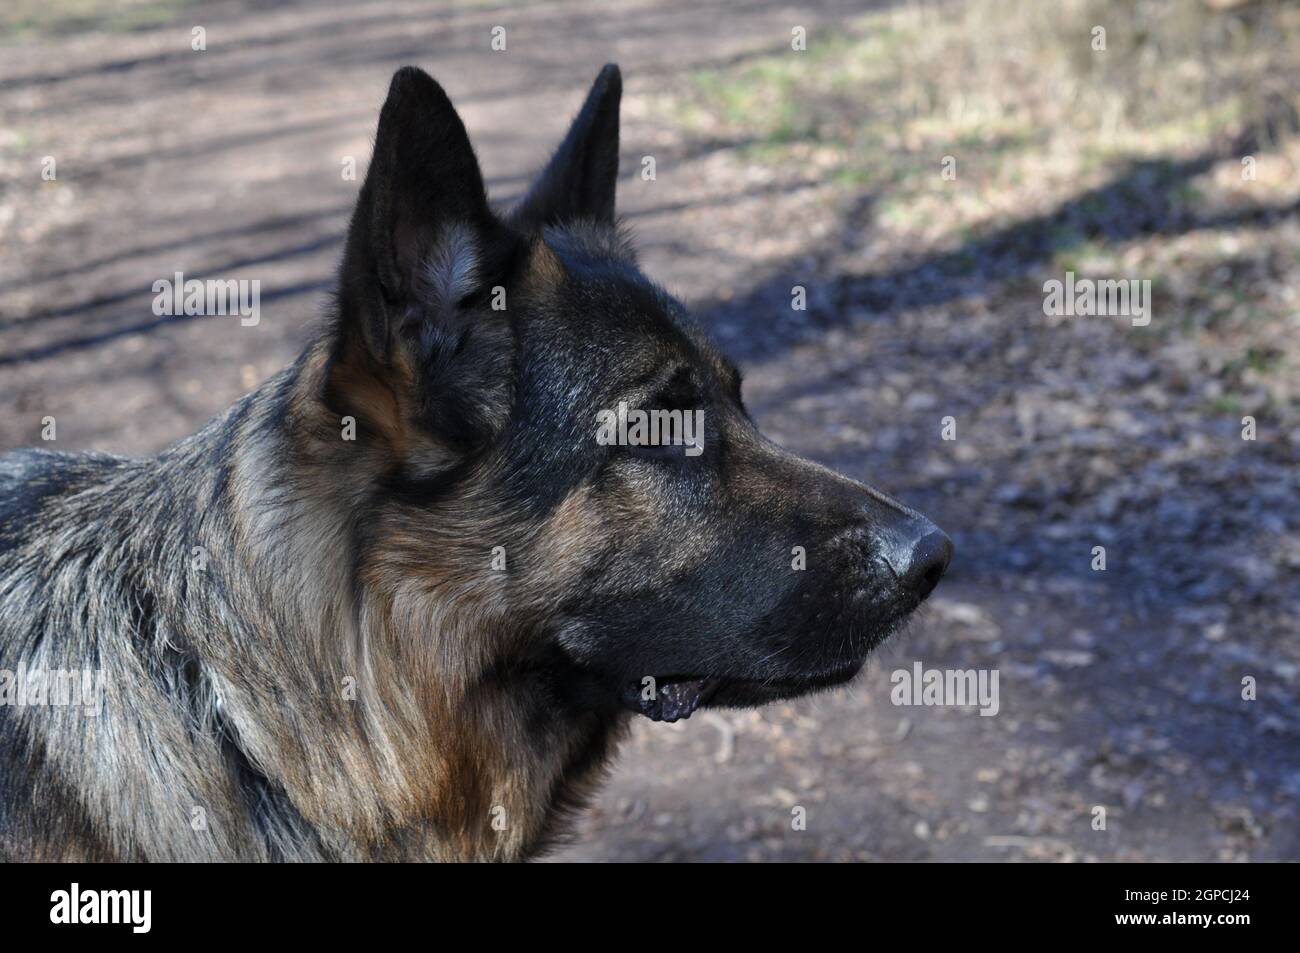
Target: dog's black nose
{"type": "Point", "coordinates": [919, 557]}
{"type": "Point", "coordinates": [928, 562]}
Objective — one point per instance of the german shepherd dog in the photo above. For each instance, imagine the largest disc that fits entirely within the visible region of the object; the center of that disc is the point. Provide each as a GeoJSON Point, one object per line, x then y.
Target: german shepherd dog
{"type": "Point", "coordinates": [400, 602]}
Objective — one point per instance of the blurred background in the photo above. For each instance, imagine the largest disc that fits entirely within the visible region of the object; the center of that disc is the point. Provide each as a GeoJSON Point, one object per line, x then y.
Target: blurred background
{"type": "Point", "coordinates": [1171, 155]}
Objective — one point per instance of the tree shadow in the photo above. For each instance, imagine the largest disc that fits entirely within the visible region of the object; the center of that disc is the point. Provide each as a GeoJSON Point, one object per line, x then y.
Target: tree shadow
{"type": "Point", "coordinates": [1139, 200]}
{"type": "Point", "coordinates": [99, 320]}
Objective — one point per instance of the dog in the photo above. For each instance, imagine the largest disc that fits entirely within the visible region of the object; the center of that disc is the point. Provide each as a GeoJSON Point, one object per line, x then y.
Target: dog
{"type": "Point", "coordinates": [402, 601]}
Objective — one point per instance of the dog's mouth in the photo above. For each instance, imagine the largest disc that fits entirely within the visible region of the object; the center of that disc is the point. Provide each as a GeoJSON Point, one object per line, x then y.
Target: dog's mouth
{"type": "Point", "coordinates": [678, 697]}
{"type": "Point", "coordinates": [670, 699]}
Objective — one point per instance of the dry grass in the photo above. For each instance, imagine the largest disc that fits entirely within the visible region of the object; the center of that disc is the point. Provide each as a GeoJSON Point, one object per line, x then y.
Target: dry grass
{"type": "Point", "coordinates": [1037, 120]}
{"type": "Point", "coordinates": [25, 19]}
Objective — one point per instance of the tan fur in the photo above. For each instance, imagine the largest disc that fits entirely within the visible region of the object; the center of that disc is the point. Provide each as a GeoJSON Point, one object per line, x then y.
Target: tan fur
{"type": "Point", "coordinates": [424, 746]}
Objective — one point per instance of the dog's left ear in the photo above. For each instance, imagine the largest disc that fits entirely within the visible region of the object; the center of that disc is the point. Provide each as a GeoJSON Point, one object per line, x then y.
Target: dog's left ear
{"type": "Point", "coordinates": [422, 252]}
{"type": "Point", "coordinates": [578, 182]}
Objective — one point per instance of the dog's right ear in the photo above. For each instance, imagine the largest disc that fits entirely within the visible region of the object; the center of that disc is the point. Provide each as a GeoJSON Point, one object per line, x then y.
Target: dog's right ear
{"type": "Point", "coordinates": [579, 181]}
{"type": "Point", "coordinates": [422, 233]}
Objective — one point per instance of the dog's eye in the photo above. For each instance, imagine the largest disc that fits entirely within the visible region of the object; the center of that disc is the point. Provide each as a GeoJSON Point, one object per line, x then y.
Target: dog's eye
{"type": "Point", "coordinates": [669, 435]}
{"type": "Point", "coordinates": [656, 435]}
{"type": "Point", "coordinates": [665, 423]}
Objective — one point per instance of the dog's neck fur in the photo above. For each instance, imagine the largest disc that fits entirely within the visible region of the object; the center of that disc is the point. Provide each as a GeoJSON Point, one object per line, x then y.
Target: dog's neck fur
{"type": "Point", "coordinates": [391, 727]}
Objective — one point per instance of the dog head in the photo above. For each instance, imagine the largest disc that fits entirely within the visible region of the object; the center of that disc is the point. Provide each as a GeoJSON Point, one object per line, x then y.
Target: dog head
{"type": "Point", "coordinates": [553, 446]}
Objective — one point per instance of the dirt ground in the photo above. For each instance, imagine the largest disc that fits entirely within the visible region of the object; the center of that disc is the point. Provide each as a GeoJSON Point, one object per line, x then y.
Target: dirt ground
{"type": "Point", "coordinates": [1119, 689]}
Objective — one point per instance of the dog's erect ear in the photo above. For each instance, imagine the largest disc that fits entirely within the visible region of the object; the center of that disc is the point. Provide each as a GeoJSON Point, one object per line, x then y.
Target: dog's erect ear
{"type": "Point", "coordinates": [578, 182]}
{"type": "Point", "coordinates": [423, 250]}
{"type": "Point", "coordinates": [422, 236]}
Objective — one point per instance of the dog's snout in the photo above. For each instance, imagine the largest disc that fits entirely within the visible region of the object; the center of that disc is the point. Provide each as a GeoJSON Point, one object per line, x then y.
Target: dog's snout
{"type": "Point", "coordinates": [927, 563]}
{"type": "Point", "coordinates": [919, 553]}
